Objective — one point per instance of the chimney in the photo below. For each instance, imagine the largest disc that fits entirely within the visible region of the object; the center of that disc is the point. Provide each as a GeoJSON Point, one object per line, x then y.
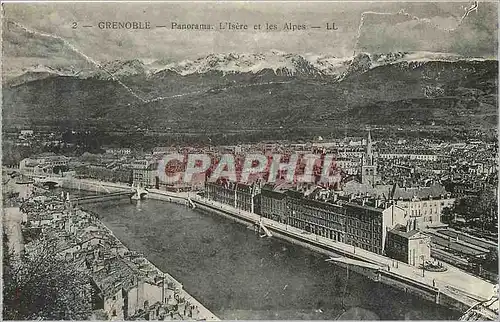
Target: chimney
{"type": "Point", "coordinates": [97, 265]}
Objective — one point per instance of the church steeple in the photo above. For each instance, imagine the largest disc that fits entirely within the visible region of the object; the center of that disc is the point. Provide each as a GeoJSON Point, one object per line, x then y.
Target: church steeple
{"type": "Point", "coordinates": [368, 166]}
{"type": "Point", "coordinates": [369, 151]}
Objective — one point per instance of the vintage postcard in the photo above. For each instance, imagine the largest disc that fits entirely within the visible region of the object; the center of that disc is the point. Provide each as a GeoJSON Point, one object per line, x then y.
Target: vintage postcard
{"type": "Point", "coordinates": [250, 160]}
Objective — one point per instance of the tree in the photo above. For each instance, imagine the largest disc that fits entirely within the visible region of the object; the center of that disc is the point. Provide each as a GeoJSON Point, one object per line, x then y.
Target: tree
{"type": "Point", "coordinates": [482, 208]}
{"type": "Point", "coordinates": [486, 207]}
{"type": "Point", "coordinates": [60, 169]}
{"type": "Point", "coordinates": [464, 206]}
{"type": "Point", "coordinates": [40, 285]}
{"type": "Point", "coordinates": [491, 260]}
{"type": "Point", "coordinates": [446, 215]}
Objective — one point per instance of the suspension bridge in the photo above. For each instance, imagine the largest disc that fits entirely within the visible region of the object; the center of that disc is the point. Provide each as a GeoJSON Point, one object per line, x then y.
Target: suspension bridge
{"type": "Point", "coordinates": [135, 193]}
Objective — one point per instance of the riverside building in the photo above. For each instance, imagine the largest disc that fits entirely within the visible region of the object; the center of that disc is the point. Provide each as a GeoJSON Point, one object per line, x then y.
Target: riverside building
{"type": "Point", "coordinates": [320, 213]}
{"type": "Point", "coordinates": [238, 195]}
{"type": "Point", "coordinates": [408, 244]}
{"type": "Point", "coordinates": [42, 165]}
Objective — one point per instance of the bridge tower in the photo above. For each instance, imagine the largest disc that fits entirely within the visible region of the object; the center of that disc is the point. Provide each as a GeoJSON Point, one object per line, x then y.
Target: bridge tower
{"type": "Point", "coordinates": [140, 193]}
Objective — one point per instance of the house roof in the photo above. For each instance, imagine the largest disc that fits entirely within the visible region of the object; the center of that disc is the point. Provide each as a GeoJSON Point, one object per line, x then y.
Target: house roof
{"type": "Point", "coordinates": [435, 190]}
{"type": "Point", "coordinates": [346, 204]}
{"type": "Point", "coordinates": [115, 275]}
{"type": "Point", "coordinates": [356, 187]}
{"type": "Point", "coordinates": [400, 230]}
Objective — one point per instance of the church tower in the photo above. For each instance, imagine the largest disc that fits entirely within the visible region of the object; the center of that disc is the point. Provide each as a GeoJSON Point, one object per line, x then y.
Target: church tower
{"type": "Point", "coordinates": [369, 150]}
{"type": "Point", "coordinates": [368, 167]}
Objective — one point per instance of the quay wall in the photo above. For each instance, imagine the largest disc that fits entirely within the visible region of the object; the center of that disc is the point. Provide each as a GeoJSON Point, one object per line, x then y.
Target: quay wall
{"type": "Point", "coordinates": [156, 195]}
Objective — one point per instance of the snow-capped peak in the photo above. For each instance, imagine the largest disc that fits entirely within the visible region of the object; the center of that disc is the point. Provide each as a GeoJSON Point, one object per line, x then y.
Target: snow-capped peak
{"type": "Point", "coordinates": [279, 62]}
{"type": "Point", "coordinates": [288, 64]}
{"type": "Point", "coordinates": [61, 71]}
{"type": "Point", "coordinates": [125, 68]}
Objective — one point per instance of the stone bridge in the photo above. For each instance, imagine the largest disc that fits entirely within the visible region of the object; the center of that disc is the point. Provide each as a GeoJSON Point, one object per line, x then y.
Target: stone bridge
{"type": "Point", "coordinates": [50, 182]}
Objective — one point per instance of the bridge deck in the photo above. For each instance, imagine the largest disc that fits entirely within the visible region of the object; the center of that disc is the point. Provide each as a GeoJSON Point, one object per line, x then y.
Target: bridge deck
{"type": "Point", "coordinates": [106, 196]}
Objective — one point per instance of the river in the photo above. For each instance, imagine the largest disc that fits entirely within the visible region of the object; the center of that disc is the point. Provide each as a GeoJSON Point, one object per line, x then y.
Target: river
{"type": "Point", "coordinates": [238, 275]}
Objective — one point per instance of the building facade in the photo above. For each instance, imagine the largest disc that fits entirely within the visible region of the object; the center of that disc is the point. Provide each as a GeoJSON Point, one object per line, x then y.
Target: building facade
{"type": "Point", "coordinates": [144, 173]}
{"type": "Point", "coordinates": [273, 204]}
{"type": "Point", "coordinates": [358, 225]}
{"type": "Point", "coordinates": [410, 155]}
{"type": "Point", "coordinates": [424, 204]}
{"type": "Point", "coordinates": [105, 173]}
{"type": "Point", "coordinates": [237, 195]}
{"type": "Point", "coordinates": [408, 244]}
{"type": "Point", "coordinates": [42, 165]}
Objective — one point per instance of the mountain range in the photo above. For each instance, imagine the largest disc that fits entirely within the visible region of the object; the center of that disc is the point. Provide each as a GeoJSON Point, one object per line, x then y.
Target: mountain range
{"type": "Point", "coordinates": [246, 91]}
{"type": "Point", "coordinates": [282, 64]}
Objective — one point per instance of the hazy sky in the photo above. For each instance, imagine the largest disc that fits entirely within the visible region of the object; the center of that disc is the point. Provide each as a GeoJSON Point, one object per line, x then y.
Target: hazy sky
{"type": "Point", "coordinates": [431, 26]}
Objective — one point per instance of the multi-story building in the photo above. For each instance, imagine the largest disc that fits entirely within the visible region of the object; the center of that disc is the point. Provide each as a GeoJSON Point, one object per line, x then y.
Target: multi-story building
{"type": "Point", "coordinates": [358, 225]}
{"type": "Point", "coordinates": [425, 204]}
{"type": "Point", "coordinates": [144, 173]}
{"type": "Point", "coordinates": [350, 152]}
{"type": "Point", "coordinates": [238, 195]}
{"type": "Point", "coordinates": [118, 151]}
{"type": "Point", "coordinates": [410, 155]}
{"type": "Point", "coordinates": [26, 133]}
{"type": "Point", "coordinates": [161, 150]}
{"type": "Point", "coordinates": [368, 165]}
{"type": "Point", "coordinates": [348, 165]}
{"type": "Point", "coordinates": [408, 244]}
{"type": "Point", "coordinates": [30, 167]}
{"type": "Point", "coordinates": [347, 222]}
{"type": "Point", "coordinates": [464, 186]}
{"type": "Point", "coordinates": [42, 165]}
